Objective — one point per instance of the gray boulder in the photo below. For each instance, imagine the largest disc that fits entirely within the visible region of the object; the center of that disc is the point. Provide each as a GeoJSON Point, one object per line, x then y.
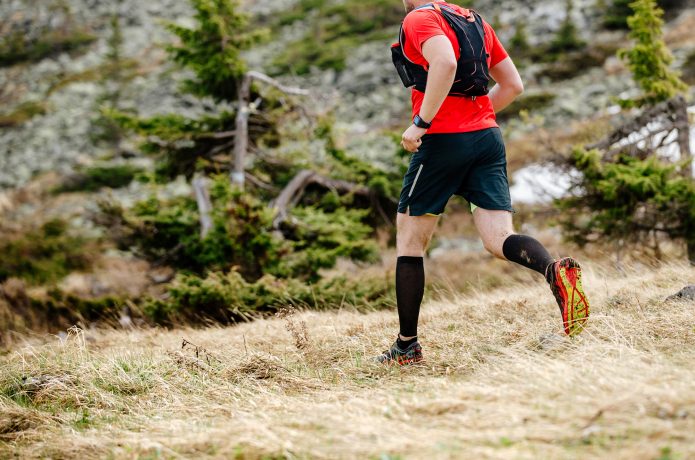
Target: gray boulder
{"type": "Point", "coordinates": [687, 293]}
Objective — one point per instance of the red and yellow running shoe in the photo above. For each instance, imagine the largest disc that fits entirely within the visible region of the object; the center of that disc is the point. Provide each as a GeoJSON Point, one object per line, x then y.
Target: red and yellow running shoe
{"type": "Point", "coordinates": [565, 278]}
{"type": "Point", "coordinates": [395, 355]}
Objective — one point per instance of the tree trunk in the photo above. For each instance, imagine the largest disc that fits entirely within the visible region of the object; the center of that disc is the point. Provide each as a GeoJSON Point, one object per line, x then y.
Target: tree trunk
{"type": "Point", "coordinates": [202, 197]}
{"type": "Point", "coordinates": [242, 132]}
{"type": "Point", "coordinates": [691, 251]}
{"type": "Point", "coordinates": [682, 124]}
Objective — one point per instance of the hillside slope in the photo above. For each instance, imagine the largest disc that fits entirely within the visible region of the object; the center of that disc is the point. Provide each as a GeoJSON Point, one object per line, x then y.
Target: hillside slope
{"type": "Point", "coordinates": [497, 384]}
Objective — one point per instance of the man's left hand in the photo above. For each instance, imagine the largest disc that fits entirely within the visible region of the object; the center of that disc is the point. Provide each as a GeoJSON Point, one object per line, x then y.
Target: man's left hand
{"type": "Point", "coordinates": [411, 139]}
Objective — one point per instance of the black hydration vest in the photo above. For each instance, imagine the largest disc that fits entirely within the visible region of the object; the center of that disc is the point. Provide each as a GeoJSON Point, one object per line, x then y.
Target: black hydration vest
{"type": "Point", "coordinates": [472, 77]}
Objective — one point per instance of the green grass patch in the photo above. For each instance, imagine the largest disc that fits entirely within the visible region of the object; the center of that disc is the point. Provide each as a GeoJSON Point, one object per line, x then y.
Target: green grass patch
{"type": "Point", "coordinates": [337, 29]}
{"type": "Point", "coordinates": [21, 114]}
{"type": "Point", "coordinates": [15, 48]}
{"type": "Point", "coordinates": [570, 64]}
{"type": "Point", "coordinates": [528, 103]}
{"type": "Point", "coordinates": [97, 177]}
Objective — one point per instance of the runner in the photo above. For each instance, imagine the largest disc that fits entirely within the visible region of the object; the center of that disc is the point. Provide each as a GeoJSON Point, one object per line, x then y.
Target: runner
{"type": "Point", "coordinates": [458, 150]}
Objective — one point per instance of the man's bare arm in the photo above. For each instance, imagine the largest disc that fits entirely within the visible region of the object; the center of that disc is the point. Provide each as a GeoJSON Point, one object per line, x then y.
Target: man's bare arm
{"type": "Point", "coordinates": [440, 76]}
{"type": "Point", "coordinates": [509, 84]}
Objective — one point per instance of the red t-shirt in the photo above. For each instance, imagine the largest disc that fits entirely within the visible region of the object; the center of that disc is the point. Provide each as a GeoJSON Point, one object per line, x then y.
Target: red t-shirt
{"type": "Point", "coordinates": [457, 114]}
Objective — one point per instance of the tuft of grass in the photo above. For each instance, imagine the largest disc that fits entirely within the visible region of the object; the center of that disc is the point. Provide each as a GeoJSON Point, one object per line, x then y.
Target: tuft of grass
{"type": "Point", "coordinates": [528, 102]}
{"type": "Point", "coordinates": [21, 114]}
{"type": "Point", "coordinates": [15, 48]}
{"type": "Point", "coordinates": [337, 29]}
{"type": "Point", "coordinates": [493, 386]}
{"type": "Point", "coordinates": [97, 177]}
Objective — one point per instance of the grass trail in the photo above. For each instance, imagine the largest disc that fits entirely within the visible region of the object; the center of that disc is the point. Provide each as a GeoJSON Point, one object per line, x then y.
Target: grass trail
{"type": "Point", "coordinates": [499, 382]}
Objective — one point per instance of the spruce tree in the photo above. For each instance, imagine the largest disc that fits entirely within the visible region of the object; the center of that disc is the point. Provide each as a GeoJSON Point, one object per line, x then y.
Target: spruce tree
{"type": "Point", "coordinates": [649, 58]}
{"type": "Point", "coordinates": [519, 41]}
{"type": "Point", "coordinates": [567, 36]}
{"type": "Point", "coordinates": [212, 48]}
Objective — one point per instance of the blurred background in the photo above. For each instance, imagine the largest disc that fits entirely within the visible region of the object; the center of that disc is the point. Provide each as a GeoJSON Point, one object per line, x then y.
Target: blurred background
{"type": "Point", "coordinates": [195, 161]}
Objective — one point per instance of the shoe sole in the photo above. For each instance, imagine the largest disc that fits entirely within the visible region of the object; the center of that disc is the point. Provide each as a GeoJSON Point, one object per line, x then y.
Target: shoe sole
{"type": "Point", "coordinates": [569, 282]}
{"type": "Point", "coordinates": [402, 361]}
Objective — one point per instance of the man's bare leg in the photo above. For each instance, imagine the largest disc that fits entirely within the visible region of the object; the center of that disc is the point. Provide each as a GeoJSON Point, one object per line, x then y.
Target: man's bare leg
{"type": "Point", "coordinates": [564, 275]}
{"type": "Point", "coordinates": [497, 232]}
{"type": "Point", "coordinates": [494, 228]}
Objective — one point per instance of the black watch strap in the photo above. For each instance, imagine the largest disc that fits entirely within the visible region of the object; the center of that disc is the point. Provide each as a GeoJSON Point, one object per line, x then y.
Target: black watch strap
{"type": "Point", "coordinates": [420, 123]}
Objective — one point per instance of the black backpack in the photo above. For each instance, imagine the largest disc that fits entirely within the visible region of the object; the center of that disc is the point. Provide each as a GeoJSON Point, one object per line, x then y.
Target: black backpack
{"type": "Point", "coordinates": [472, 73]}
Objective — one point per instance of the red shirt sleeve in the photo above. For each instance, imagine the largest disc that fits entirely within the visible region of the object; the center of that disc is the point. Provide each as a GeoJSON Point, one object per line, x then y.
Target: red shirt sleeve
{"type": "Point", "coordinates": [494, 46]}
{"type": "Point", "coordinates": [420, 26]}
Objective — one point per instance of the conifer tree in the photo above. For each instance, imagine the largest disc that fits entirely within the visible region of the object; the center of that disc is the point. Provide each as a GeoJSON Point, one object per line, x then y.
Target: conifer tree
{"type": "Point", "coordinates": [211, 50]}
{"type": "Point", "coordinates": [649, 58]}
{"type": "Point", "coordinates": [567, 37]}
{"type": "Point", "coordinates": [519, 41]}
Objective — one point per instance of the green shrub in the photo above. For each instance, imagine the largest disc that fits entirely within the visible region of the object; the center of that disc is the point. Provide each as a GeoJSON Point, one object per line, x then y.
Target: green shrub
{"type": "Point", "coordinates": [229, 297]}
{"type": "Point", "coordinates": [94, 178]}
{"type": "Point", "coordinates": [242, 235]}
{"type": "Point", "coordinates": [43, 255]}
{"type": "Point", "coordinates": [53, 310]}
{"type": "Point", "coordinates": [79, 308]}
{"type": "Point", "coordinates": [628, 200]}
{"type": "Point", "coordinates": [649, 58]}
{"type": "Point", "coordinates": [319, 238]}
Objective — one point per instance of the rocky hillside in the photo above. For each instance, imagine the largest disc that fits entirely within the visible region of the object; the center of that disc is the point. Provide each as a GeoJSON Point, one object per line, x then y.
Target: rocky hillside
{"type": "Point", "coordinates": [54, 60]}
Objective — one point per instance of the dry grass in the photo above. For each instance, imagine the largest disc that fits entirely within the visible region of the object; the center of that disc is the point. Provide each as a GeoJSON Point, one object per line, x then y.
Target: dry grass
{"type": "Point", "coordinates": [497, 384]}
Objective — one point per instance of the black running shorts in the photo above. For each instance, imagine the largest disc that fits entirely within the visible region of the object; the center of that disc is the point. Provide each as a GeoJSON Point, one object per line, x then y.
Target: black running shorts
{"type": "Point", "coordinates": [472, 165]}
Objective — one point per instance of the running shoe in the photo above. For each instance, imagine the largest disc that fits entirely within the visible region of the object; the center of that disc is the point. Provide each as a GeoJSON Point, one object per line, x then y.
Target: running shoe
{"type": "Point", "coordinates": [565, 278]}
{"type": "Point", "coordinates": [395, 355]}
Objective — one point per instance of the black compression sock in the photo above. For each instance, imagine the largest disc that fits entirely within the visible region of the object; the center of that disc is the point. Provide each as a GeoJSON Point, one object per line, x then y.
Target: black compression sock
{"type": "Point", "coordinates": [410, 287]}
{"type": "Point", "coordinates": [528, 252]}
{"type": "Point", "coordinates": [403, 344]}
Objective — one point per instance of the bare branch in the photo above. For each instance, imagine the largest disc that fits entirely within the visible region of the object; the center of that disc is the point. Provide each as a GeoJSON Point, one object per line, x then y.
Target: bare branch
{"type": "Point", "coordinates": [293, 191]}
{"type": "Point", "coordinates": [272, 82]}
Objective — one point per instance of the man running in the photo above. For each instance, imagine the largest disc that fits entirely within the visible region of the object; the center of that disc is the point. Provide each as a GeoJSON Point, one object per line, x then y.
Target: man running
{"type": "Point", "coordinates": [458, 150]}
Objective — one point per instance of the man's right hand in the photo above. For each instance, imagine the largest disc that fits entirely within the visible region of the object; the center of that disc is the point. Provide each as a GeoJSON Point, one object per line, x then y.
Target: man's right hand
{"type": "Point", "coordinates": [412, 138]}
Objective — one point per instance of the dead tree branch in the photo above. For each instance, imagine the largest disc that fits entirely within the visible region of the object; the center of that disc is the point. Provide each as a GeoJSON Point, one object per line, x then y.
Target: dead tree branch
{"type": "Point", "coordinates": [244, 107]}
{"type": "Point", "coordinates": [254, 75]}
{"type": "Point", "coordinates": [293, 191]}
{"type": "Point", "coordinates": [673, 114]}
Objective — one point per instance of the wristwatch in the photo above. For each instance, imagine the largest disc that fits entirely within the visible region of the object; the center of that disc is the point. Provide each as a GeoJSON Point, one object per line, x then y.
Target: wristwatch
{"type": "Point", "coordinates": [420, 123]}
